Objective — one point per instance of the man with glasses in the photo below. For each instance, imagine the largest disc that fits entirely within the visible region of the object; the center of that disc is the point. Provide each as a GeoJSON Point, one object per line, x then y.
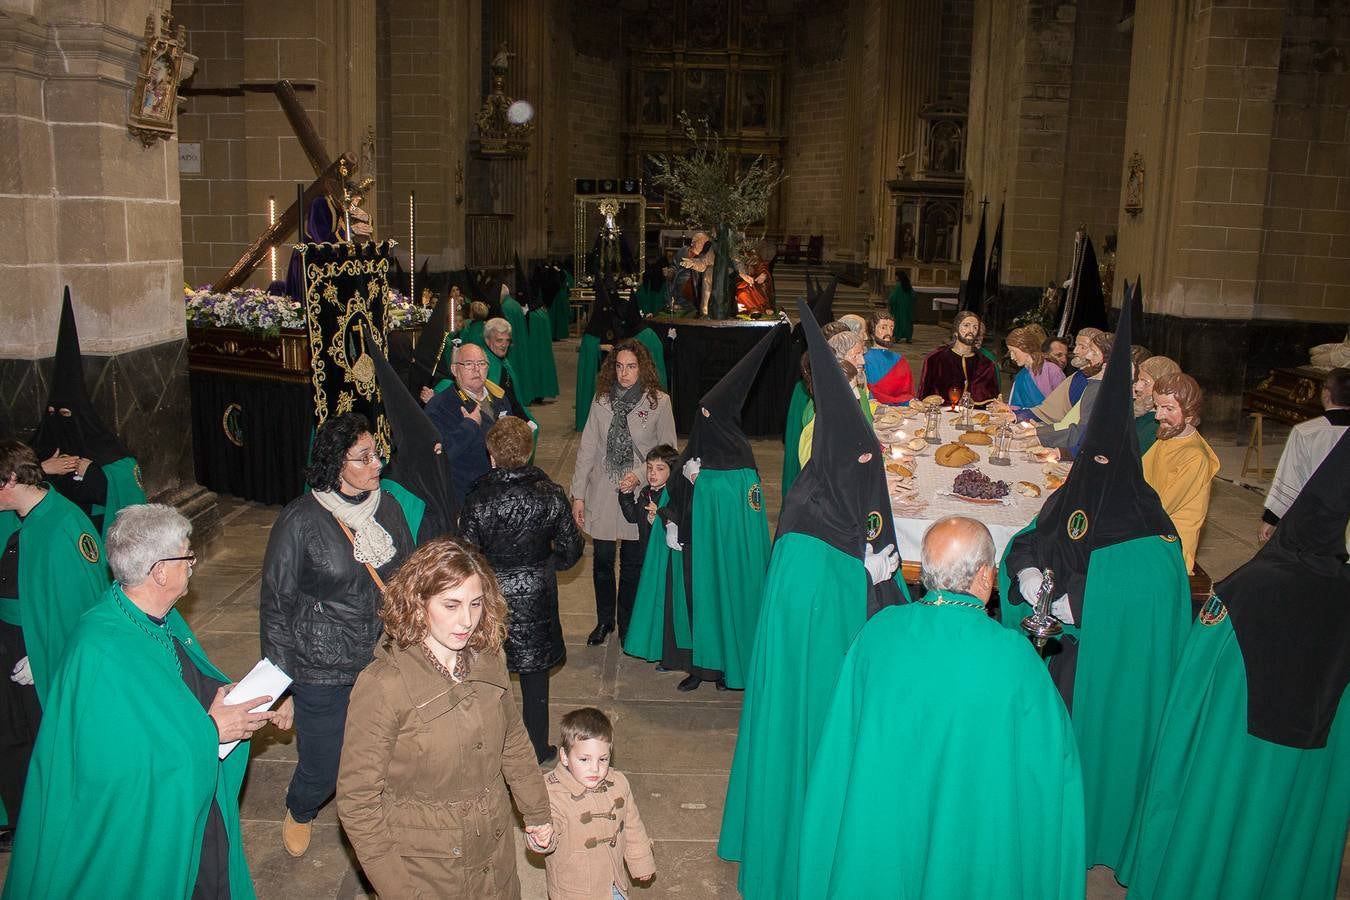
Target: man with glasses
{"type": "Point", "coordinates": [464, 415]}
{"type": "Point", "coordinates": [51, 571]}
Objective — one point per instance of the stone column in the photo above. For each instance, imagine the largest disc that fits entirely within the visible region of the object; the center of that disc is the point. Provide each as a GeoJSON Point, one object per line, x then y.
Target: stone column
{"type": "Point", "coordinates": [93, 208]}
{"type": "Point", "coordinates": [909, 36]}
{"type": "Point", "coordinates": [849, 241]}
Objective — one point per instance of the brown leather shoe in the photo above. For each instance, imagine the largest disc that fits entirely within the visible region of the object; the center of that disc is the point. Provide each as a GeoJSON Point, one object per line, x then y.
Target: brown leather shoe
{"type": "Point", "coordinates": [295, 835]}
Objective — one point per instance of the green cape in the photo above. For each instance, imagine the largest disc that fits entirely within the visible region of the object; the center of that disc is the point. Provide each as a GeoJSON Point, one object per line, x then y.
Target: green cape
{"type": "Point", "coordinates": [414, 507]}
{"type": "Point", "coordinates": [1136, 611]}
{"type": "Point", "coordinates": [124, 489]}
{"type": "Point", "coordinates": [646, 628]}
{"type": "Point", "coordinates": [540, 340]}
{"type": "Point", "coordinates": [124, 770]}
{"type": "Point", "coordinates": [731, 555]}
{"type": "Point", "coordinates": [1224, 814]}
{"type": "Point", "coordinates": [652, 341]}
{"type": "Point", "coordinates": [62, 573]}
{"type": "Point", "coordinates": [588, 363]}
{"type": "Point", "coordinates": [815, 600]}
{"type": "Point", "coordinates": [792, 434]}
{"type": "Point", "coordinates": [1146, 427]}
{"type": "Point", "coordinates": [560, 309]}
{"type": "Point", "coordinates": [521, 355]}
{"type": "Point", "coordinates": [901, 305]}
{"type": "Point", "coordinates": [920, 782]}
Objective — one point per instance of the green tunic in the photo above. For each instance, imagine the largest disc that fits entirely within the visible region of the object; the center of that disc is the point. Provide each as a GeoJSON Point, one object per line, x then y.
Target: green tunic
{"type": "Point", "coordinates": [62, 574]}
{"type": "Point", "coordinates": [901, 305]}
{"type": "Point", "coordinates": [792, 434]}
{"type": "Point", "coordinates": [815, 600]}
{"type": "Point", "coordinates": [521, 356]}
{"type": "Point", "coordinates": [1146, 427]}
{"type": "Point", "coordinates": [662, 568]}
{"type": "Point", "coordinates": [588, 363]}
{"type": "Point", "coordinates": [1224, 814]}
{"type": "Point", "coordinates": [946, 768]}
{"type": "Point", "coordinates": [1136, 611]}
{"type": "Point", "coordinates": [124, 489]}
{"type": "Point", "coordinates": [541, 352]}
{"type": "Point", "coordinates": [731, 555]}
{"type": "Point", "coordinates": [122, 779]}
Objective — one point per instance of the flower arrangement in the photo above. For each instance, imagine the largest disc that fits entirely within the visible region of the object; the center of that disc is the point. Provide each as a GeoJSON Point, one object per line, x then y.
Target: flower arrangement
{"type": "Point", "coordinates": [253, 309]}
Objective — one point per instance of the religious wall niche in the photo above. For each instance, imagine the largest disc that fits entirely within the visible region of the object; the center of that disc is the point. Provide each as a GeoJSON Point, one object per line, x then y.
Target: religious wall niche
{"type": "Point", "coordinates": [942, 152]}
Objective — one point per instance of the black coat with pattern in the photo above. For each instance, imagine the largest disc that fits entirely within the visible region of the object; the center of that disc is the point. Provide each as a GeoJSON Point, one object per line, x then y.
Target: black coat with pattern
{"type": "Point", "coordinates": [523, 523]}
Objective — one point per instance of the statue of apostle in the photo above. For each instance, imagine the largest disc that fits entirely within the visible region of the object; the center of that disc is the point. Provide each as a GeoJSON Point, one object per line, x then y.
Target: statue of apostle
{"type": "Point", "coordinates": [692, 285]}
{"type": "Point", "coordinates": [959, 366]}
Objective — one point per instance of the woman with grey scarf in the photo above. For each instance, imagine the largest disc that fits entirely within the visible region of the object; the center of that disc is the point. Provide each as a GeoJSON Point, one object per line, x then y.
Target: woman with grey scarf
{"type": "Point", "coordinates": [629, 416]}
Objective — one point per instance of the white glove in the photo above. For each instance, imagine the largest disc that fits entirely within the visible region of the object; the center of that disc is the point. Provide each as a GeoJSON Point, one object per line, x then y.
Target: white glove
{"type": "Point", "coordinates": [881, 565]}
{"type": "Point", "coordinates": [22, 673]}
{"type": "Point", "coordinates": [691, 468]}
{"type": "Point", "coordinates": [1061, 610]}
{"type": "Point", "coordinates": [673, 536]}
{"type": "Point", "coordinates": [1029, 580]}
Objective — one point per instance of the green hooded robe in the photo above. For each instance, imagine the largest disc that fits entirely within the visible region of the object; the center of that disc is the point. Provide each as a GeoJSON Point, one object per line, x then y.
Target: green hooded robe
{"type": "Point", "coordinates": [540, 338]}
{"type": "Point", "coordinates": [560, 308]}
{"type": "Point", "coordinates": [521, 354]}
{"type": "Point", "coordinates": [62, 574]}
{"type": "Point", "coordinates": [1225, 814]}
{"type": "Point", "coordinates": [662, 579]}
{"type": "Point", "coordinates": [125, 769]}
{"type": "Point", "coordinates": [946, 768]}
{"type": "Point", "coordinates": [588, 363]}
{"type": "Point", "coordinates": [124, 489]}
{"type": "Point", "coordinates": [901, 304]}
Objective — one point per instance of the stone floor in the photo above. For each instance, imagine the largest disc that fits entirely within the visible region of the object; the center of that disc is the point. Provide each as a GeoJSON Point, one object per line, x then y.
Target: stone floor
{"type": "Point", "coordinates": [676, 748]}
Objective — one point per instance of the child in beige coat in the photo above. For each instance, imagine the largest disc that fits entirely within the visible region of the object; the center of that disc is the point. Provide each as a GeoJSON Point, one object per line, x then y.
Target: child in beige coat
{"type": "Point", "coordinates": [596, 826]}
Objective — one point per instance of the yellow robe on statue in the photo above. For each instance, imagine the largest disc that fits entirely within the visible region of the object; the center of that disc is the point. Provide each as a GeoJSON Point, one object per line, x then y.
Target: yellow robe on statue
{"type": "Point", "coordinates": [1181, 470]}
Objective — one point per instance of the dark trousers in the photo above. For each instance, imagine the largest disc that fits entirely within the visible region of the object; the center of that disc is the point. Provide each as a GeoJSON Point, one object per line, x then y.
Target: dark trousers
{"type": "Point", "coordinates": [534, 710]}
{"type": "Point", "coordinates": [20, 715]}
{"type": "Point", "coordinates": [320, 719]}
{"type": "Point", "coordinates": [602, 571]}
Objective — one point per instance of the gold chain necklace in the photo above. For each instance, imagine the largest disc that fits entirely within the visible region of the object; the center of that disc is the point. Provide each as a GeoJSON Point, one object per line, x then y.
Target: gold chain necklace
{"type": "Point", "coordinates": [159, 634]}
{"type": "Point", "coordinates": [943, 600]}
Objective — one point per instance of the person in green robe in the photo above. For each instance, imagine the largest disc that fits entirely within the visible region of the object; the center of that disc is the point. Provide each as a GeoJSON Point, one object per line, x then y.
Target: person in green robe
{"type": "Point", "coordinates": [833, 565]}
{"type": "Point", "coordinates": [83, 458]}
{"type": "Point", "coordinates": [560, 306]}
{"type": "Point", "coordinates": [946, 765]}
{"type": "Point", "coordinates": [798, 406]}
{"type": "Point", "coordinates": [522, 362]}
{"type": "Point", "coordinates": [127, 795]}
{"type": "Point", "coordinates": [537, 338]}
{"type": "Point", "coordinates": [51, 571]}
{"type": "Point", "coordinates": [901, 304]}
{"type": "Point", "coordinates": [1248, 792]}
{"type": "Point", "coordinates": [723, 527]}
{"type": "Point", "coordinates": [1120, 586]}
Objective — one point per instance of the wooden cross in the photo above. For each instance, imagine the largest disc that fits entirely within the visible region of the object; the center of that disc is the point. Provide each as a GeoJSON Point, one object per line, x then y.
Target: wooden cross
{"type": "Point", "coordinates": [329, 181]}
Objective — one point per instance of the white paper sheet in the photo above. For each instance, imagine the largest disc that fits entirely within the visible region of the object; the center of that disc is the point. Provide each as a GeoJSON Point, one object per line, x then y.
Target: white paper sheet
{"type": "Point", "coordinates": [264, 680]}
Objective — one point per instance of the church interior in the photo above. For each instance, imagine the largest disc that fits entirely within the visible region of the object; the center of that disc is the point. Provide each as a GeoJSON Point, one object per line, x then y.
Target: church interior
{"type": "Point", "coordinates": [1203, 146]}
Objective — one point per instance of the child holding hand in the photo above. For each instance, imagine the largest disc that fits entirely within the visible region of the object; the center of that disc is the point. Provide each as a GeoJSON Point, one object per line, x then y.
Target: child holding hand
{"type": "Point", "coordinates": [640, 508]}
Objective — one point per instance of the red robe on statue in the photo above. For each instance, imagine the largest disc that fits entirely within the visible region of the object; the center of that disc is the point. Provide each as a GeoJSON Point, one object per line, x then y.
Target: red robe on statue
{"type": "Point", "coordinates": [944, 369]}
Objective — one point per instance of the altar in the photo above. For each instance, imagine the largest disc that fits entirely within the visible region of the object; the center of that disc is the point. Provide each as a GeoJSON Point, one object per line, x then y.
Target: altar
{"type": "Point", "coordinates": [700, 351]}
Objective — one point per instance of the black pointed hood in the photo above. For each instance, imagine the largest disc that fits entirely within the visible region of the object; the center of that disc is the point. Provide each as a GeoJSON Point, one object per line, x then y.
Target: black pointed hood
{"type": "Point", "coordinates": [602, 323]}
{"type": "Point", "coordinates": [1105, 500]}
{"type": "Point", "coordinates": [1290, 607]}
{"type": "Point", "coordinates": [840, 496]}
{"type": "Point", "coordinates": [431, 344]}
{"type": "Point", "coordinates": [82, 432]}
{"type": "Point", "coordinates": [993, 274]}
{"type": "Point", "coordinates": [716, 437]}
{"type": "Point", "coordinates": [972, 295]}
{"type": "Point", "coordinates": [521, 291]}
{"type": "Point", "coordinates": [823, 307]}
{"type": "Point", "coordinates": [414, 462]}
{"type": "Point", "coordinates": [1135, 301]}
{"type": "Point", "coordinates": [1085, 307]}
{"type": "Point", "coordinates": [628, 319]}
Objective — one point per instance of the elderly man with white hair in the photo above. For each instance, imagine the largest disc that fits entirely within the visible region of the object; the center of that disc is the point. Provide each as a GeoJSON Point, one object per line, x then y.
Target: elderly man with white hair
{"type": "Point", "coordinates": [127, 795]}
{"type": "Point", "coordinates": [903, 780]}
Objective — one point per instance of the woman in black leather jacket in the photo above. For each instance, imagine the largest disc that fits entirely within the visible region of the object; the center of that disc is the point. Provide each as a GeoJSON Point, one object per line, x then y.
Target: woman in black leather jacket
{"type": "Point", "coordinates": [327, 556]}
{"type": "Point", "coordinates": [523, 523]}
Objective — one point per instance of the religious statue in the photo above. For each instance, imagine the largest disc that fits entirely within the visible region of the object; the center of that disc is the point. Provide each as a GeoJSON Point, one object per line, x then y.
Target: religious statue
{"type": "Point", "coordinates": [691, 288]}
{"type": "Point", "coordinates": [501, 60]}
{"type": "Point", "coordinates": [608, 260]}
{"type": "Point", "coordinates": [754, 283]}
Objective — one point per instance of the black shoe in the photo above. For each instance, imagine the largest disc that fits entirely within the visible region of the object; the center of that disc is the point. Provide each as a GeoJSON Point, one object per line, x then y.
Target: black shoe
{"type": "Point", "coordinates": [690, 683]}
{"type": "Point", "coordinates": [6, 840]}
{"type": "Point", "coordinates": [722, 685]}
{"type": "Point", "coordinates": [598, 635]}
{"type": "Point", "coordinates": [661, 668]}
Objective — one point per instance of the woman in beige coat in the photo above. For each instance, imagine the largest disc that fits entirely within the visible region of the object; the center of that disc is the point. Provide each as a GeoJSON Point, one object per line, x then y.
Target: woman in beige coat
{"type": "Point", "coordinates": [434, 739]}
{"type": "Point", "coordinates": [629, 416]}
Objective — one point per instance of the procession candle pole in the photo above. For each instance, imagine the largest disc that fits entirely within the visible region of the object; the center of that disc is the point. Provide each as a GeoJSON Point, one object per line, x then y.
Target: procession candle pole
{"type": "Point", "coordinates": [272, 220]}
{"type": "Point", "coordinates": [300, 232]}
{"type": "Point", "coordinates": [412, 244]}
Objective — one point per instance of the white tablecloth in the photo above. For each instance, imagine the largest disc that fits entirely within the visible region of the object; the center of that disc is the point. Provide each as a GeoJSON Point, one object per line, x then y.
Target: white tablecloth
{"type": "Point", "coordinates": [1002, 520]}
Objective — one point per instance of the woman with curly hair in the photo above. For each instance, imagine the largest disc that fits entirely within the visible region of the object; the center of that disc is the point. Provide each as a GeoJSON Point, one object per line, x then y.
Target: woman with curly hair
{"type": "Point", "coordinates": [628, 417]}
{"type": "Point", "coordinates": [1035, 380]}
{"type": "Point", "coordinates": [327, 558]}
{"type": "Point", "coordinates": [434, 738]}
